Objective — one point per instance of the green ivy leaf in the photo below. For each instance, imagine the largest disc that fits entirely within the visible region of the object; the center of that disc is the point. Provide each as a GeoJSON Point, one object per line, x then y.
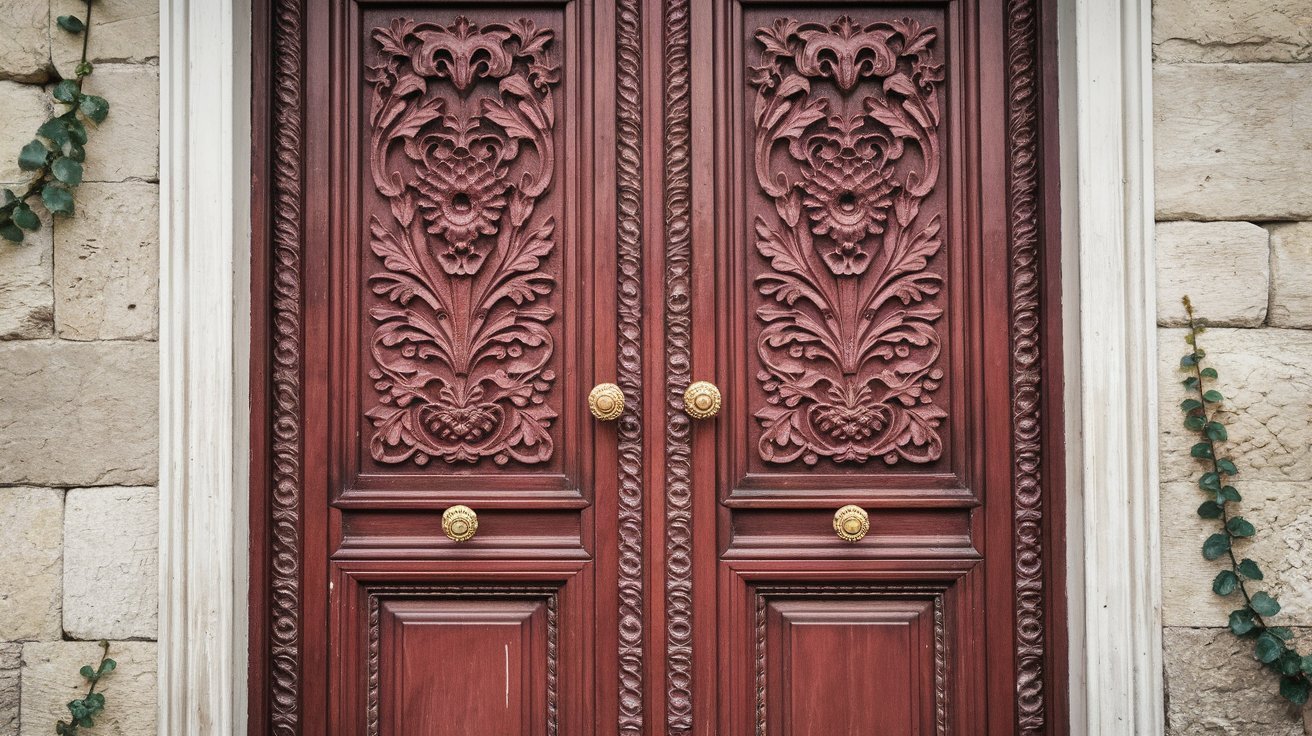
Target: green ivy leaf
{"type": "Point", "coordinates": [1250, 570]}
{"type": "Point", "coordinates": [1284, 633]}
{"type": "Point", "coordinates": [54, 130]}
{"type": "Point", "coordinates": [1190, 383]}
{"type": "Point", "coordinates": [66, 91]}
{"type": "Point", "coordinates": [77, 131]}
{"type": "Point", "coordinates": [1194, 422]}
{"type": "Point", "coordinates": [1295, 689]}
{"type": "Point", "coordinates": [1191, 405]}
{"type": "Point", "coordinates": [1201, 450]}
{"type": "Point", "coordinates": [1227, 466]}
{"type": "Point", "coordinates": [1216, 432]}
{"type": "Point", "coordinates": [1225, 583]}
{"type": "Point", "coordinates": [82, 69]}
{"type": "Point", "coordinates": [67, 170]}
{"type": "Point", "coordinates": [71, 23]}
{"type": "Point", "coordinates": [95, 108]}
{"type": "Point", "coordinates": [57, 199]}
{"type": "Point", "coordinates": [1289, 661]}
{"type": "Point", "coordinates": [1240, 527]}
{"type": "Point", "coordinates": [1230, 493]}
{"type": "Point", "coordinates": [1307, 664]}
{"type": "Point", "coordinates": [1213, 396]}
{"type": "Point", "coordinates": [1264, 604]}
{"type": "Point", "coordinates": [1209, 373]}
{"type": "Point", "coordinates": [1241, 622]}
{"type": "Point", "coordinates": [25, 218]}
{"type": "Point", "coordinates": [1210, 481]}
{"type": "Point", "coordinates": [1189, 361]}
{"type": "Point", "coordinates": [33, 156]}
{"type": "Point", "coordinates": [107, 666]}
{"type": "Point", "coordinates": [1268, 648]}
{"type": "Point", "coordinates": [88, 672]}
{"type": "Point", "coordinates": [1216, 545]}
{"type": "Point", "coordinates": [1210, 510]}
{"type": "Point", "coordinates": [9, 231]}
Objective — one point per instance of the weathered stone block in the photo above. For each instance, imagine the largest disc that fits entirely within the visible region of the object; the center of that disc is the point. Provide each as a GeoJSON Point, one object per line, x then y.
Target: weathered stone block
{"type": "Point", "coordinates": [31, 521]}
{"type": "Point", "coordinates": [121, 31]}
{"type": "Point", "coordinates": [126, 144]}
{"type": "Point", "coordinates": [78, 414]}
{"type": "Point", "coordinates": [1232, 141]}
{"type": "Point", "coordinates": [1215, 686]}
{"type": "Point", "coordinates": [1232, 30]}
{"type": "Point", "coordinates": [111, 560]}
{"type": "Point", "coordinates": [1268, 406]}
{"type": "Point", "coordinates": [1223, 267]}
{"type": "Point", "coordinates": [25, 42]}
{"type": "Point", "coordinates": [107, 264]}
{"type": "Point", "coordinates": [50, 680]}
{"type": "Point", "coordinates": [1291, 275]}
{"type": "Point", "coordinates": [11, 656]}
{"type": "Point", "coordinates": [23, 108]}
{"type": "Point", "coordinates": [1282, 513]}
{"type": "Point", "coordinates": [27, 299]}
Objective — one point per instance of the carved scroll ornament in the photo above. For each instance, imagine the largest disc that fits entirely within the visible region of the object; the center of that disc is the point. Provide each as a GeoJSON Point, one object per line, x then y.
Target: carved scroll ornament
{"type": "Point", "coordinates": [850, 347]}
{"type": "Point", "coordinates": [461, 147]}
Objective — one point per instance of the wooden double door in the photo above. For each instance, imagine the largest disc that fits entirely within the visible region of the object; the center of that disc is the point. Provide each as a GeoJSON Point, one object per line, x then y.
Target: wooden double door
{"type": "Point", "coordinates": [656, 367]}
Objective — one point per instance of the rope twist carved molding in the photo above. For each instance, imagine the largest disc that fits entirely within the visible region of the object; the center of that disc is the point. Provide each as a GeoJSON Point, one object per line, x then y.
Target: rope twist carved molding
{"type": "Point", "coordinates": [461, 347]}
{"type": "Point", "coordinates": [849, 351]}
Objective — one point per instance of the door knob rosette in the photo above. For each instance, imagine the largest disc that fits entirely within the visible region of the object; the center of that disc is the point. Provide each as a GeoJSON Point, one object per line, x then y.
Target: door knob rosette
{"type": "Point", "coordinates": [701, 400]}
{"type": "Point", "coordinates": [606, 402]}
{"type": "Point", "coordinates": [459, 523]}
{"type": "Point", "coordinates": [851, 523]}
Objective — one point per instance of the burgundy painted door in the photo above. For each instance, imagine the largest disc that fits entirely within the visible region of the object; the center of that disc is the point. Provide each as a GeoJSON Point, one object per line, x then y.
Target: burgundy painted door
{"type": "Point", "coordinates": [812, 245]}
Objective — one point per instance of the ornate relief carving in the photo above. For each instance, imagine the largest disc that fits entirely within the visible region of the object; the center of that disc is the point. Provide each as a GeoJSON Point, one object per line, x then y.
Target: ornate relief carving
{"type": "Point", "coordinates": [1024, 197]}
{"type": "Point", "coordinates": [849, 349]}
{"type": "Point", "coordinates": [462, 149]}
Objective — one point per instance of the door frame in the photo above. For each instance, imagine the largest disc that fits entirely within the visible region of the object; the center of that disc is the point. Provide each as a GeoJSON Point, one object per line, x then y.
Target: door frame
{"type": "Point", "coordinates": [206, 314]}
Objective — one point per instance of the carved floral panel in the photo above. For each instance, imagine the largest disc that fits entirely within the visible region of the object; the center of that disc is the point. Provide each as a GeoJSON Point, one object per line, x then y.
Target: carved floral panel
{"type": "Point", "coordinates": [462, 271]}
{"type": "Point", "coordinates": [846, 232]}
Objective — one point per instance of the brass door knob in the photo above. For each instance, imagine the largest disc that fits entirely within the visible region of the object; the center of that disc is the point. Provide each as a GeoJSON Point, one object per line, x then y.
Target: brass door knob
{"type": "Point", "coordinates": [606, 402]}
{"type": "Point", "coordinates": [701, 400]}
{"type": "Point", "coordinates": [851, 523]}
{"type": "Point", "coordinates": [459, 523]}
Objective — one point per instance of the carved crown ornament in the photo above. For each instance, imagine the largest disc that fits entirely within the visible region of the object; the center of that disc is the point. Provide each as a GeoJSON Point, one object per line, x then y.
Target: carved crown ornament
{"type": "Point", "coordinates": [461, 147]}
{"type": "Point", "coordinates": [847, 148]}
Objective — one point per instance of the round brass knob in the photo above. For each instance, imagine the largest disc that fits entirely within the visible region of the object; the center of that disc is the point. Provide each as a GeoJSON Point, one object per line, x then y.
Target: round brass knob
{"type": "Point", "coordinates": [460, 523]}
{"type": "Point", "coordinates": [851, 523]}
{"type": "Point", "coordinates": [701, 400]}
{"type": "Point", "coordinates": [606, 402]}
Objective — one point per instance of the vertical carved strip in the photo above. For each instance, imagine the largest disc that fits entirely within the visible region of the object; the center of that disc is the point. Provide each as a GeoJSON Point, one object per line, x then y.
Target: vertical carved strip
{"type": "Point", "coordinates": [553, 665]}
{"type": "Point", "coordinates": [760, 665]}
{"type": "Point", "coordinates": [628, 87]}
{"type": "Point", "coordinates": [1023, 109]}
{"type": "Point", "coordinates": [285, 594]}
{"type": "Point", "coordinates": [678, 367]}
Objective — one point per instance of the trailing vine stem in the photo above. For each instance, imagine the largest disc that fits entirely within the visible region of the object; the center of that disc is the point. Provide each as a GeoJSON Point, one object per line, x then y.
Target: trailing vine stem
{"type": "Point", "coordinates": [56, 154]}
{"type": "Point", "coordinates": [1272, 645]}
{"type": "Point", "coordinates": [86, 708]}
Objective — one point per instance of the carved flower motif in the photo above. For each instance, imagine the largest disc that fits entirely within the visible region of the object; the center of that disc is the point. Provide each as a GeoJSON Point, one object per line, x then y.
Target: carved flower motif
{"type": "Point", "coordinates": [461, 198]}
{"type": "Point", "coordinates": [847, 199]}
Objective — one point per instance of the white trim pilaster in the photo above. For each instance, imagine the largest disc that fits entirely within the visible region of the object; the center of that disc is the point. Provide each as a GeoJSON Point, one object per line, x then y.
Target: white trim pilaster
{"type": "Point", "coordinates": [204, 357]}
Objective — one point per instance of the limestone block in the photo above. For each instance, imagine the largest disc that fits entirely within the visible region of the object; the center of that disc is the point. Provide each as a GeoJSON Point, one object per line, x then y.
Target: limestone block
{"type": "Point", "coordinates": [1224, 267]}
{"type": "Point", "coordinates": [107, 264]}
{"type": "Point", "coordinates": [51, 679]}
{"type": "Point", "coordinates": [78, 414]}
{"type": "Point", "coordinates": [11, 655]}
{"type": "Point", "coordinates": [25, 42]}
{"type": "Point", "coordinates": [1282, 513]}
{"type": "Point", "coordinates": [1215, 686]}
{"type": "Point", "coordinates": [27, 299]}
{"type": "Point", "coordinates": [1291, 275]}
{"type": "Point", "coordinates": [23, 108]}
{"type": "Point", "coordinates": [1266, 377]}
{"type": "Point", "coordinates": [1232, 30]}
{"type": "Point", "coordinates": [126, 144]}
{"type": "Point", "coordinates": [123, 30]}
{"type": "Point", "coordinates": [1232, 141]}
{"type": "Point", "coordinates": [31, 521]}
{"type": "Point", "coordinates": [111, 563]}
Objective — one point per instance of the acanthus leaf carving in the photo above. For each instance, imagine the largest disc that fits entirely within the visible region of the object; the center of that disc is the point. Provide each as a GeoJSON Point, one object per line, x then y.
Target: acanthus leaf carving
{"type": "Point", "coordinates": [850, 346]}
{"type": "Point", "coordinates": [461, 346]}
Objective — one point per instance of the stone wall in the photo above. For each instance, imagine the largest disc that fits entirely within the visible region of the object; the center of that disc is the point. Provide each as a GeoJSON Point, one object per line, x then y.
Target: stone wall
{"type": "Point", "coordinates": [78, 381]}
{"type": "Point", "coordinates": [1232, 97]}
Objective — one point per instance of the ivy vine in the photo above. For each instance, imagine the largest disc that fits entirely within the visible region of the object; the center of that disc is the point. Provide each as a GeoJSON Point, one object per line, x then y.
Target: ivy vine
{"type": "Point", "coordinates": [1272, 645]}
{"type": "Point", "coordinates": [56, 154]}
{"type": "Point", "coordinates": [86, 708]}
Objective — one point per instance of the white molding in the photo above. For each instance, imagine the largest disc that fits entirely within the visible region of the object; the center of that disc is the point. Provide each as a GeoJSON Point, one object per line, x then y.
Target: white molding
{"type": "Point", "coordinates": [204, 356]}
{"type": "Point", "coordinates": [1116, 668]}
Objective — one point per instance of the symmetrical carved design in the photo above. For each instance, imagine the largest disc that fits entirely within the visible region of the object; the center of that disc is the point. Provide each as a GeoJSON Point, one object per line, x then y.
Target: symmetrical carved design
{"type": "Point", "coordinates": [628, 202]}
{"type": "Point", "coordinates": [287, 483]}
{"type": "Point", "coordinates": [678, 364]}
{"type": "Point", "coordinates": [849, 349]}
{"type": "Point", "coordinates": [1024, 196]}
{"type": "Point", "coordinates": [932, 593]}
{"type": "Point", "coordinates": [550, 595]}
{"type": "Point", "coordinates": [461, 346]}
